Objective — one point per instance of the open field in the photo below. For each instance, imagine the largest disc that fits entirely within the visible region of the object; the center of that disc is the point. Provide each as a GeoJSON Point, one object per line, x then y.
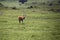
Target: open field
{"type": "Point", "coordinates": [38, 25]}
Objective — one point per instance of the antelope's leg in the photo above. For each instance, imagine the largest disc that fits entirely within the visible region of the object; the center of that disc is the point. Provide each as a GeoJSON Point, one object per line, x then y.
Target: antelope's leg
{"type": "Point", "coordinates": [19, 20]}
{"type": "Point", "coordinates": [22, 21]}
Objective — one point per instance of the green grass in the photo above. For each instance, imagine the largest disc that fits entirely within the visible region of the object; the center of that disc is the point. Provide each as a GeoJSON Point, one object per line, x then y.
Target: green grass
{"type": "Point", "coordinates": [38, 25]}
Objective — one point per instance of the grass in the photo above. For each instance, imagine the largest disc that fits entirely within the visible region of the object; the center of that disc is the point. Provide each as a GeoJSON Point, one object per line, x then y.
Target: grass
{"type": "Point", "coordinates": [38, 25]}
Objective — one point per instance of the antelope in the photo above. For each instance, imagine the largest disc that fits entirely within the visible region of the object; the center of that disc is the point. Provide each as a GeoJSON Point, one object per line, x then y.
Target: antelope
{"type": "Point", "coordinates": [21, 18]}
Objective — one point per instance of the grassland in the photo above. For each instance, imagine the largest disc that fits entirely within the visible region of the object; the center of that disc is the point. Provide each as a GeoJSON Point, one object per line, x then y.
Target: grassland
{"type": "Point", "coordinates": [38, 25]}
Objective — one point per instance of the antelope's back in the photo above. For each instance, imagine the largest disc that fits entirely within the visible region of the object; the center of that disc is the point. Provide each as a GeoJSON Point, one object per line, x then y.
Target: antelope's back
{"type": "Point", "coordinates": [21, 17]}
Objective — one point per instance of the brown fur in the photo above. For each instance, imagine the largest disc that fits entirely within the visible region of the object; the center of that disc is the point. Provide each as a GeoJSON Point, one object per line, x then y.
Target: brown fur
{"type": "Point", "coordinates": [21, 18]}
